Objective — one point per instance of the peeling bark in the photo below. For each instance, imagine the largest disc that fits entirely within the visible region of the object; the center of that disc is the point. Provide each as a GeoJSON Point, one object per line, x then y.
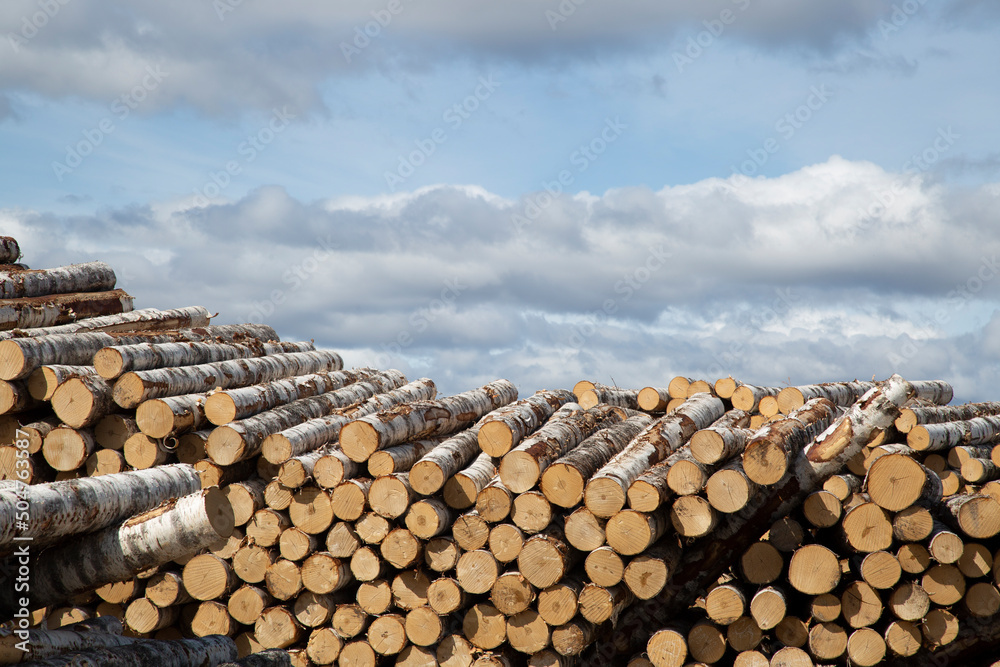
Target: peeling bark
{"type": "Point", "coordinates": [767, 454]}
{"type": "Point", "coordinates": [434, 469]}
{"type": "Point", "coordinates": [111, 362]}
{"type": "Point", "coordinates": [86, 277]}
{"type": "Point", "coordinates": [506, 427]}
{"type": "Point", "coordinates": [148, 319]}
{"type": "Point", "coordinates": [48, 311]}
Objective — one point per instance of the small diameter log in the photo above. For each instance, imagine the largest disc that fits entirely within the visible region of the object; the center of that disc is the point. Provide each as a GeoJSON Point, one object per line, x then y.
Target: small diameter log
{"type": "Point", "coordinates": [445, 596]}
{"type": "Point", "coordinates": [247, 603]}
{"type": "Point", "coordinates": [630, 532]}
{"type": "Point", "coordinates": [546, 558]}
{"type": "Point", "coordinates": [879, 569]}
{"type": "Point", "coordinates": [814, 570]}
{"type": "Point", "coordinates": [769, 452]}
{"type": "Point", "coordinates": [485, 626]}
{"type": "Point", "coordinates": [678, 386]}
{"type": "Point", "coordinates": [896, 481]}
{"type": "Point", "coordinates": [506, 427]}
{"type": "Point", "coordinates": [822, 509]}
{"type": "Point", "coordinates": [105, 462]}
{"type": "Point", "coordinates": [558, 603]}
{"type": "Point", "coordinates": [311, 510]}
{"type": "Point", "coordinates": [599, 604]}
{"type": "Point", "coordinates": [432, 471]}
{"type": "Point", "coordinates": [323, 574]}
{"type": "Point", "coordinates": [428, 518]}
{"type": "Point", "coordinates": [266, 526]}
{"type": "Point", "coordinates": [668, 647]}
{"type": "Point", "coordinates": [976, 515]}
{"type": "Point", "coordinates": [527, 632]}
{"type": "Point", "coordinates": [903, 638]}
{"type": "Point", "coordinates": [119, 552]}
{"type": "Point", "coordinates": [943, 545]}
{"type": "Point", "coordinates": [372, 528]}
{"type": "Point", "coordinates": [936, 414]}
{"type": "Point", "coordinates": [329, 466]}
{"type": "Point", "coordinates": [86, 505]}
{"type": "Point", "coordinates": [653, 399]}
{"type": "Point", "coordinates": [470, 531]}
{"type": "Point", "coordinates": [424, 627]}
{"type": "Point", "coordinates": [401, 549]}
{"type": "Point", "coordinates": [250, 563]}
{"type": "Point", "coordinates": [166, 589]}
{"type": "Point", "coordinates": [244, 438]}
{"type": "Point", "coordinates": [944, 584]}
{"type": "Point", "coordinates": [730, 489]}
{"type": "Point", "coordinates": [350, 499]}
{"type": "Point", "coordinates": [939, 437]}
{"type": "Point", "coordinates": [420, 419]}
{"type": "Point", "coordinates": [324, 646]}
{"type": "Point", "coordinates": [342, 540]}
{"type": "Point", "coordinates": [838, 393]}
{"type": "Point", "coordinates": [303, 439]}
{"type": "Point", "coordinates": [715, 443]}
{"type": "Point", "coordinates": [584, 531]}
{"type": "Point", "coordinates": [283, 579]}
{"type": "Point", "coordinates": [570, 639]}
{"type": "Point", "coordinates": [747, 397]}
{"type": "Point", "coordinates": [827, 641]}
{"type": "Point", "coordinates": [208, 577]}
{"type": "Point", "coordinates": [42, 383]}
{"type": "Point", "coordinates": [142, 452]}
{"type": "Point", "coordinates": [866, 528]}
{"type": "Point", "coordinates": [112, 362]}
{"type": "Point", "coordinates": [860, 605]}
{"type": "Point", "coordinates": [349, 620]}
{"type": "Point", "coordinates": [173, 415]}
{"type": "Point", "coordinates": [277, 628]}
{"type": "Point", "coordinates": [246, 498]}
{"type": "Point", "coordinates": [511, 593]}
{"type": "Point", "coordinates": [391, 496]}
{"type": "Point", "coordinates": [15, 397]}
{"type": "Point", "coordinates": [909, 602]}
{"type": "Point", "coordinates": [726, 603]}
{"type": "Point", "coordinates": [979, 471]}
{"type": "Point", "coordinates": [531, 512]}
{"type": "Point", "coordinates": [647, 573]}
{"type": "Point", "coordinates": [606, 492]}
{"type": "Point", "coordinates": [768, 607]}
{"type": "Point", "coordinates": [865, 647]}
{"type": "Point", "coordinates": [400, 458]}
{"type": "Point", "coordinates": [143, 616]}
{"type": "Point", "coordinates": [495, 501]}
{"type": "Point", "coordinates": [111, 431]}
{"type": "Point", "coordinates": [312, 609]}
{"type": "Point", "coordinates": [375, 597]}
{"type": "Point", "coordinates": [604, 566]}
{"type": "Point", "coordinates": [976, 561]}
{"type": "Point", "coordinates": [86, 277]}
{"type": "Point", "coordinates": [441, 554]}
{"type": "Point", "coordinates": [134, 387]}
{"type": "Point", "coordinates": [477, 571]}
{"type": "Point", "coordinates": [506, 542]}
{"type": "Point", "coordinates": [462, 490]}
{"type": "Point", "coordinates": [564, 481]}
{"type": "Point", "coordinates": [693, 516]}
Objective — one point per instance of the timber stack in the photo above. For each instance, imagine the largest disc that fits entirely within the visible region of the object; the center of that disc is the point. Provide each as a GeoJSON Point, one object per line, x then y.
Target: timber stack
{"type": "Point", "coordinates": [203, 494]}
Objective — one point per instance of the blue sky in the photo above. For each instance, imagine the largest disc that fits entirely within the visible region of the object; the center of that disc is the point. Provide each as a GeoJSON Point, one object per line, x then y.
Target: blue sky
{"type": "Point", "coordinates": [816, 180]}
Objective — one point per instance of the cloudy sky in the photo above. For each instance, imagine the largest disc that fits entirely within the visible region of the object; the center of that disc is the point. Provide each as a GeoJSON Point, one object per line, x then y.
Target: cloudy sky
{"type": "Point", "coordinates": [624, 191]}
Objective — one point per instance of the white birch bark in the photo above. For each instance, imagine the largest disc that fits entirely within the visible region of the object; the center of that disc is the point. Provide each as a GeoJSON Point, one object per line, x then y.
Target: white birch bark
{"type": "Point", "coordinates": [416, 420]}
{"type": "Point", "coordinates": [44, 381]}
{"type": "Point", "coordinates": [747, 397]}
{"type": "Point", "coordinates": [509, 425]}
{"type": "Point", "coordinates": [838, 393]}
{"type": "Point", "coordinates": [172, 416]}
{"type": "Point", "coordinates": [240, 440]}
{"type": "Point", "coordinates": [623, 398]}
{"type": "Point", "coordinates": [937, 414]}
{"type": "Point", "coordinates": [308, 436]}
{"type": "Point", "coordinates": [16, 397]}
{"type": "Point", "coordinates": [133, 388]}
{"type": "Point", "coordinates": [42, 644]}
{"type": "Point", "coordinates": [118, 553]}
{"type": "Point", "coordinates": [81, 401]}
{"type": "Point", "coordinates": [432, 471]}
{"type": "Point", "coordinates": [49, 311]}
{"type": "Point", "coordinates": [229, 405]}
{"type": "Point", "coordinates": [20, 357]}
{"type": "Point", "coordinates": [91, 503]}
{"type": "Point", "coordinates": [401, 457]}
{"type": "Point", "coordinates": [148, 319]}
{"type": "Point", "coordinates": [767, 454]}
{"type": "Point", "coordinates": [111, 362]}
{"type": "Point", "coordinates": [86, 277]}
{"type": "Point", "coordinates": [945, 435]}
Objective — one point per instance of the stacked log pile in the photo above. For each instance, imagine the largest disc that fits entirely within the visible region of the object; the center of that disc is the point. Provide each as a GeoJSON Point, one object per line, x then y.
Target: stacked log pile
{"type": "Point", "coordinates": [200, 494]}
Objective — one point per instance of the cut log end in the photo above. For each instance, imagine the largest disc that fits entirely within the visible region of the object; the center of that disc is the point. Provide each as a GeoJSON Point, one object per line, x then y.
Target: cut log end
{"type": "Point", "coordinates": [358, 440]}
{"type": "Point", "coordinates": [427, 477]}
{"type": "Point", "coordinates": [605, 497]}
{"type": "Point", "coordinates": [220, 408]}
{"type": "Point", "coordinates": [155, 418]}
{"type": "Point", "coordinates": [495, 438]}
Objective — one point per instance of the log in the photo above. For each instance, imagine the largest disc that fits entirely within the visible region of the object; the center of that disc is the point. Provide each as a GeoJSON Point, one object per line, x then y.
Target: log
{"type": "Point", "coordinates": [428, 518]}
{"type": "Point", "coordinates": [769, 452]}
{"type": "Point", "coordinates": [86, 277]}
{"type": "Point", "coordinates": [725, 603]}
{"type": "Point", "coordinates": [747, 397]}
{"type": "Point", "coordinates": [531, 512]}
{"type": "Point", "coordinates": [866, 528]}
{"type": "Point", "coordinates": [20, 357]}
{"type": "Point", "coordinates": [564, 481]}
{"type": "Point", "coordinates": [372, 528]}
{"type": "Point", "coordinates": [599, 604]}
{"type": "Point", "coordinates": [768, 607]}
{"type": "Point", "coordinates": [143, 616]}
{"type": "Point", "coordinates": [839, 393]}
{"type": "Point", "coordinates": [400, 458]}
{"type": "Point", "coordinates": [722, 440]}
{"type": "Point", "coordinates": [604, 566]}
{"type": "Point", "coordinates": [936, 414]}
{"type": "Point", "coordinates": [477, 571]}
{"type": "Point", "coordinates": [511, 593]}
{"type": "Point", "coordinates": [172, 416]}
{"type": "Point", "coordinates": [653, 399]}
{"type": "Point", "coordinates": [10, 251]}
{"type": "Point", "coordinates": [546, 558]}
{"type": "Point", "coordinates": [976, 515]}
{"type": "Point", "coordinates": [401, 548]}
{"type": "Point", "coordinates": [42, 644]}
{"type": "Point", "coordinates": [429, 474]}
{"type": "Point", "coordinates": [119, 552]}
{"type": "Point", "coordinates": [166, 589]}
{"type": "Point", "coordinates": [730, 489]}
{"type": "Point", "coordinates": [441, 554]}
{"type": "Point", "coordinates": [470, 531]}
{"type": "Point", "coordinates": [424, 627]}
{"type": "Point", "coordinates": [366, 565]}
{"type": "Point", "coordinates": [277, 628]}
{"type": "Point", "coordinates": [149, 319]}
{"type": "Point", "coordinates": [509, 425]}
{"type": "Point", "coordinates": [283, 579]}
{"type": "Point", "coordinates": [647, 573]}
{"type": "Point", "coordinates": [879, 569]}
{"type": "Point", "coordinates": [485, 626]}
{"type": "Point", "coordinates": [693, 516]}
{"type": "Point", "coordinates": [81, 506]}
{"type": "Point", "coordinates": [134, 387]}
{"type": "Point", "coordinates": [559, 603]}
{"type": "Point", "coordinates": [606, 491]}
{"type": "Point", "coordinates": [827, 641]}
{"type": "Point", "coordinates": [387, 634]}
{"type": "Point", "coordinates": [420, 419]}
{"type": "Point", "coordinates": [67, 449]}
{"type": "Point", "coordinates": [16, 397]}
{"type": "Point", "coordinates": [495, 501]}
{"type": "Point", "coordinates": [623, 398]}
{"type": "Point", "coordinates": [506, 542]}
{"type": "Point", "coordinates": [570, 639]}
{"type": "Point", "coordinates": [463, 488]}
{"type": "Point", "coordinates": [214, 650]}
{"type": "Point", "coordinates": [43, 382]}
{"type": "Point", "coordinates": [111, 431]}
{"type": "Point", "coordinates": [944, 435]}
{"type": "Point", "coordinates": [527, 632]}
{"type": "Point", "coordinates": [313, 434]}
{"type": "Point", "coordinates": [630, 532]}
{"type": "Point", "coordinates": [112, 362]}
{"type": "Point", "coordinates": [860, 605]}
{"type": "Point", "coordinates": [445, 596]}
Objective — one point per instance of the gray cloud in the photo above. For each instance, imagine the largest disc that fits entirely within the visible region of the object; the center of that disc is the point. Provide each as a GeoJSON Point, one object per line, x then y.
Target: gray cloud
{"type": "Point", "coordinates": [279, 54]}
{"type": "Point", "coordinates": [797, 277]}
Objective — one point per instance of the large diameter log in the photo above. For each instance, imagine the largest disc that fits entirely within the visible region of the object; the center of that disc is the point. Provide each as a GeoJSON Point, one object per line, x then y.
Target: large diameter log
{"type": "Point", "coordinates": [896, 481]}
{"type": "Point", "coordinates": [462, 490]}
{"type": "Point", "coordinates": [937, 437]}
{"type": "Point", "coordinates": [230, 405]}
{"type": "Point", "coordinates": [508, 426]}
{"type": "Point", "coordinates": [767, 454]}
{"type": "Point", "coordinates": [198, 652]}
{"type": "Point", "coordinates": [81, 401]}
{"type": "Point", "coordinates": [47, 311]}
{"type": "Point", "coordinates": [607, 490]}
{"type": "Point", "coordinates": [976, 515]}
{"type": "Point", "coordinates": [307, 437]}
{"type": "Point", "coordinates": [240, 440]}
{"type": "Point", "coordinates": [134, 387]}
{"type": "Point", "coordinates": [521, 468]}
{"type": "Point", "coordinates": [86, 277]}
{"type": "Point", "coordinates": [85, 505]}
{"type": "Point", "coordinates": [148, 319]}
{"type": "Point", "coordinates": [111, 362]}
{"type": "Point", "coordinates": [838, 393]}
{"type": "Point", "coordinates": [120, 552]}
{"type": "Point", "coordinates": [172, 416]}
{"type": "Point", "coordinates": [417, 420]}
{"type": "Point", "coordinates": [563, 482]}
{"type": "Point", "coordinates": [20, 357]}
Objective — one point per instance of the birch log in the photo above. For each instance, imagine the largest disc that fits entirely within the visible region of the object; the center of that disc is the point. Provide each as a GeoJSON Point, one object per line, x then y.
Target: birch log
{"type": "Point", "coordinates": [624, 398]}
{"type": "Point", "coordinates": [564, 481]}
{"type": "Point", "coordinates": [722, 440]}
{"type": "Point", "coordinates": [303, 439]}
{"type": "Point", "coordinates": [81, 401]}
{"type": "Point", "coordinates": [230, 405]}
{"type": "Point", "coordinates": [133, 388]}
{"type": "Point", "coordinates": [87, 277]}
{"type": "Point", "coordinates": [463, 488]}
{"type": "Point", "coordinates": [172, 416]}
{"type": "Point", "coordinates": [945, 435]}
{"type": "Point", "coordinates": [936, 414]}
{"type": "Point", "coordinates": [88, 504]}
{"type": "Point", "coordinates": [112, 362]}
{"type": "Point", "coordinates": [243, 439]}
{"type": "Point", "coordinates": [508, 426]}
{"type": "Point", "coordinates": [43, 383]}
{"type": "Point", "coordinates": [522, 467]}
{"type": "Point", "coordinates": [747, 397]}
{"type": "Point", "coordinates": [416, 420]}
{"type": "Point", "coordinates": [20, 357]}
{"type": "Point", "coordinates": [199, 652]}
{"type": "Point", "coordinates": [767, 454]}
{"type": "Point", "coordinates": [435, 468]}
{"type": "Point", "coordinates": [16, 397]}
{"type": "Point", "coordinates": [607, 490]}
{"type": "Point", "coordinates": [42, 644]}
{"type": "Point", "coordinates": [47, 311]}
{"type": "Point", "coordinates": [118, 553]}
{"type": "Point", "coordinates": [10, 251]}
{"type": "Point", "coordinates": [838, 393]}
{"type": "Point", "coordinates": [148, 319]}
